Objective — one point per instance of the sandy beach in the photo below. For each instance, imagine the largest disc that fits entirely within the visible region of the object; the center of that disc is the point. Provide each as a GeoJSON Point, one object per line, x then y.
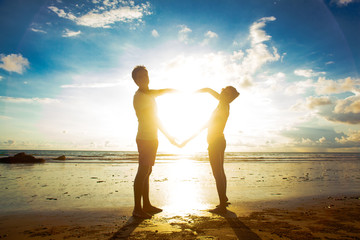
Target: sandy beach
{"type": "Point", "coordinates": [270, 200]}
{"type": "Point", "coordinates": [311, 218]}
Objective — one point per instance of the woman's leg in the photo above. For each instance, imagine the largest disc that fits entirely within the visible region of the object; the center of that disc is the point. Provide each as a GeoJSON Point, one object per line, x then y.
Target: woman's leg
{"type": "Point", "coordinates": [216, 156]}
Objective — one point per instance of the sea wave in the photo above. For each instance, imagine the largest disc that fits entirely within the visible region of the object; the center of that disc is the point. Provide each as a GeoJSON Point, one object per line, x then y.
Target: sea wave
{"type": "Point", "coordinates": [132, 156]}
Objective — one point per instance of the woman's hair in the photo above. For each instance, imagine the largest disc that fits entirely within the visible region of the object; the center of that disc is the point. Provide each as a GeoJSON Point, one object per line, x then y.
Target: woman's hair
{"type": "Point", "coordinates": [136, 69]}
{"type": "Point", "coordinates": [233, 93]}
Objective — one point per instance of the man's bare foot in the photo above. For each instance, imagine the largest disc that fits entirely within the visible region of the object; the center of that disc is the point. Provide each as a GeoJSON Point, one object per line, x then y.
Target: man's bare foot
{"type": "Point", "coordinates": [141, 214]}
{"type": "Point", "coordinates": [152, 210]}
{"type": "Point", "coordinates": [220, 209]}
{"type": "Point", "coordinates": [226, 204]}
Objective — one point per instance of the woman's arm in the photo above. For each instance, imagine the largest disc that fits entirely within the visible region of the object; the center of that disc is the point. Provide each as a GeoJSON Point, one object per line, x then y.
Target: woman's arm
{"type": "Point", "coordinates": [193, 136]}
{"type": "Point", "coordinates": [211, 91]}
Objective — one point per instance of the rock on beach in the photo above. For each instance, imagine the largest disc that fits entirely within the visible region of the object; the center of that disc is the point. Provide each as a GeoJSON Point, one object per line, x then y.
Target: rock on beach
{"type": "Point", "coordinates": [22, 158]}
{"type": "Point", "coordinates": [62, 157]}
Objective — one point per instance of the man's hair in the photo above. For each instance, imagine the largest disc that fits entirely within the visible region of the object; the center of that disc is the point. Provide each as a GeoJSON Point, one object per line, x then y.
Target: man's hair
{"type": "Point", "coordinates": [233, 93]}
{"type": "Point", "coordinates": [136, 69]}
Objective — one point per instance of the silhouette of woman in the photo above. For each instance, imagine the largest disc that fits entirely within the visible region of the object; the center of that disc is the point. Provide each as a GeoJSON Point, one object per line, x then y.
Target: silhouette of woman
{"type": "Point", "coordinates": [216, 140]}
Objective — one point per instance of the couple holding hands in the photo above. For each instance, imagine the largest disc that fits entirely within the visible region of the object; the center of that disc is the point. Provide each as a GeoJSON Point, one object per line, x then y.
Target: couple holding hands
{"type": "Point", "coordinates": [147, 140]}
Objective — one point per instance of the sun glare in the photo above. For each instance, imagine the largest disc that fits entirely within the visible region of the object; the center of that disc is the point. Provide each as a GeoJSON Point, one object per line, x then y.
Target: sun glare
{"type": "Point", "coordinates": [184, 114]}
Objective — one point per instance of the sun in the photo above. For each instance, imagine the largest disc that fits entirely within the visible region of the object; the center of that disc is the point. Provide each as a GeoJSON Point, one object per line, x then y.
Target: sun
{"type": "Point", "coordinates": [184, 114]}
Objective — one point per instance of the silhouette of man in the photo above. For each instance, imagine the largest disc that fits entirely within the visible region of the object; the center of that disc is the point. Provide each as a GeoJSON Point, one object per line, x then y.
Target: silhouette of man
{"type": "Point", "coordinates": [146, 140]}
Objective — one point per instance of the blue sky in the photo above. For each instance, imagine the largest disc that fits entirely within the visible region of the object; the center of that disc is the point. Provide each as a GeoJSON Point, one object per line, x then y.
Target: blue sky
{"type": "Point", "coordinates": [65, 72]}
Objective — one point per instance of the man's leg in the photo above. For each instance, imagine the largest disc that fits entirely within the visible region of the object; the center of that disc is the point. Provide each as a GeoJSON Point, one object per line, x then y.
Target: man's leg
{"type": "Point", "coordinates": [139, 185]}
{"type": "Point", "coordinates": [146, 189]}
{"type": "Point", "coordinates": [147, 206]}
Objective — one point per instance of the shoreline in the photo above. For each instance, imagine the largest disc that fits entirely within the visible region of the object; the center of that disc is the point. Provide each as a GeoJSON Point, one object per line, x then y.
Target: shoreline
{"type": "Point", "coordinates": [316, 217]}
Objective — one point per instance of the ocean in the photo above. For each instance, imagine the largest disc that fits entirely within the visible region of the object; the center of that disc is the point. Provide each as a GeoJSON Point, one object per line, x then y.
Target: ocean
{"type": "Point", "coordinates": [132, 156]}
{"type": "Point", "coordinates": [179, 183]}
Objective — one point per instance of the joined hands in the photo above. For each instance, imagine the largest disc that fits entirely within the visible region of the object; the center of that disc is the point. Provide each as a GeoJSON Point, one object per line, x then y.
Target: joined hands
{"type": "Point", "coordinates": [173, 141]}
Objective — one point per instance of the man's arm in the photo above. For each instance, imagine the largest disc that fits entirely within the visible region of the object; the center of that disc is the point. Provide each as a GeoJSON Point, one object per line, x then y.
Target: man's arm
{"type": "Point", "coordinates": [194, 136]}
{"type": "Point", "coordinates": [209, 90]}
{"type": "Point", "coordinates": [167, 135]}
{"type": "Point", "coordinates": [159, 92]}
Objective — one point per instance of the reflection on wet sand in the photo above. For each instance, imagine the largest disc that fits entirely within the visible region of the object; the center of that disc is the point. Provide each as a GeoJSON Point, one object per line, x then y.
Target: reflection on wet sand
{"type": "Point", "coordinates": [184, 189]}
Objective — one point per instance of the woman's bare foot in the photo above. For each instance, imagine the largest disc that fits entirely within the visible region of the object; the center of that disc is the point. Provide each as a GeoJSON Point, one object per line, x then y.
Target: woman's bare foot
{"type": "Point", "coordinates": [152, 210]}
{"type": "Point", "coordinates": [141, 214]}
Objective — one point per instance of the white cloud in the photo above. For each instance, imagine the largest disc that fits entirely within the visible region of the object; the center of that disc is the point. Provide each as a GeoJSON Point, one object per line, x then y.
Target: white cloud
{"type": "Point", "coordinates": [237, 68]}
{"type": "Point", "coordinates": [342, 2]}
{"type": "Point", "coordinates": [155, 33]}
{"type": "Point", "coordinates": [108, 13]}
{"type": "Point", "coordinates": [37, 30]}
{"type": "Point", "coordinates": [348, 105]}
{"type": "Point", "coordinates": [184, 33]}
{"type": "Point", "coordinates": [258, 54]}
{"type": "Point", "coordinates": [257, 35]}
{"type": "Point", "coordinates": [324, 86]}
{"type": "Point", "coordinates": [322, 140]}
{"type": "Point", "coordinates": [275, 81]}
{"type": "Point", "coordinates": [306, 141]}
{"type": "Point", "coordinates": [307, 73]}
{"type": "Point", "coordinates": [93, 80]}
{"type": "Point", "coordinates": [237, 55]}
{"type": "Point", "coordinates": [61, 13]}
{"type": "Point", "coordinates": [299, 87]}
{"type": "Point", "coordinates": [14, 63]}
{"type": "Point", "coordinates": [343, 110]}
{"type": "Point", "coordinates": [211, 34]}
{"type": "Point", "coordinates": [347, 118]}
{"type": "Point", "coordinates": [28, 100]}
{"type": "Point", "coordinates": [124, 14]}
{"type": "Point", "coordinates": [352, 137]}
{"type": "Point", "coordinates": [69, 33]}
{"type": "Point", "coordinates": [208, 36]}
{"type": "Point", "coordinates": [313, 102]}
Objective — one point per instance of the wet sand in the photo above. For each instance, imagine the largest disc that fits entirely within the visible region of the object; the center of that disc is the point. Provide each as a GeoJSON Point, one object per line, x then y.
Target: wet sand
{"type": "Point", "coordinates": [309, 218]}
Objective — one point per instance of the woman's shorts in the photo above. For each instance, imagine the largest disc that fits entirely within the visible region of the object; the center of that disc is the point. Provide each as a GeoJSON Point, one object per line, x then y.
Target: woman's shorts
{"type": "Point", "coordinates": [216, 149]}
{"type": "Point", "coordinates": [147, 151]}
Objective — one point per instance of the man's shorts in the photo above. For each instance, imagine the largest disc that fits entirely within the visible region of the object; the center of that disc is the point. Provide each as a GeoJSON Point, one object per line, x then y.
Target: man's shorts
{"type": "Point", "coordinates": [147, 151]}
